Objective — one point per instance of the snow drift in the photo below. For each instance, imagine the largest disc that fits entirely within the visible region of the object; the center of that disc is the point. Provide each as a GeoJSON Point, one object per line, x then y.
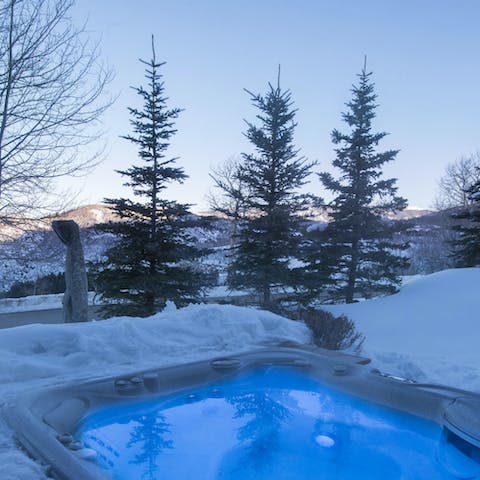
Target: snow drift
{"type": "Point", "coordinates": [429, 331]}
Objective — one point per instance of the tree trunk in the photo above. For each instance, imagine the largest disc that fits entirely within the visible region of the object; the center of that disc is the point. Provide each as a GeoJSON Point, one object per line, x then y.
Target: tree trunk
{"type": "Point", "coordinates": [267, 297]}
{"type": "Point", "coordinates": [352, 274]}
{"type": "Point", "coordinates": [6, 93]}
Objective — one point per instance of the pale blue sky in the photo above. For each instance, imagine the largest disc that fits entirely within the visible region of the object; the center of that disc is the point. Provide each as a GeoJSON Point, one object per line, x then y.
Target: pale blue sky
{"type": "Point", "coordinates": [424, 54]}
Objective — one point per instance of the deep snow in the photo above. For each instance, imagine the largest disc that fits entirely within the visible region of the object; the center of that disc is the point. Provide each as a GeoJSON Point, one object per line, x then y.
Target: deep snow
{"type": "Point", "coordinates": [428, 331]}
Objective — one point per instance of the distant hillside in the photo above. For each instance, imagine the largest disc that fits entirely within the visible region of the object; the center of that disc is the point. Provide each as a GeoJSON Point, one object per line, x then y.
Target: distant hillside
{"type": "Point", "coordinates": [88, 215]}
{"type": "Point", "coordinates": [321, 215]}
{"type": "Point", "coordinates": [411, 213]}
{"type": "Point", "coordinates": [35, 251]}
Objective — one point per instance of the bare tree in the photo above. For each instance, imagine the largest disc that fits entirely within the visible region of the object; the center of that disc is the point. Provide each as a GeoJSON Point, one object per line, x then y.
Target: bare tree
{"type": "Point", "coordinates": [459, 176]}
{"type": "Point", "coordinates": [52, 94]}
{"type": "Point", "coordinates": [230, 192]}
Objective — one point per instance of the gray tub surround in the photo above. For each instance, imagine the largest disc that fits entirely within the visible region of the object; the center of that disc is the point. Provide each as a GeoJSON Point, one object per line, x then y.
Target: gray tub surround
{"type": "Point", "coordinates": [45, 422]}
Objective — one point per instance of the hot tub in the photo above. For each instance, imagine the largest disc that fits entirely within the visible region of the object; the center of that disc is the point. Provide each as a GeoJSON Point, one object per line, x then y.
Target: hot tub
{"type": "Point", "coordinates": [276, 413]}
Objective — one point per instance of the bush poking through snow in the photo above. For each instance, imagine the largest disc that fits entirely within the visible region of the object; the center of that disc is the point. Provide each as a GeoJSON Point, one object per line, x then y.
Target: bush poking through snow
{"type": "Point", "coordinates": [328, 331]}
{"type": "Point", "coordinates": [334, 333]}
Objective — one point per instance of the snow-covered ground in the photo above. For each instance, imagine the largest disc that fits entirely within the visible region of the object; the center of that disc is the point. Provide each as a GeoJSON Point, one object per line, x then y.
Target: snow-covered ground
{"type": "Point", "coordinates": [428, 331]}
{"type": "Point", "coordinates": [35, 303]}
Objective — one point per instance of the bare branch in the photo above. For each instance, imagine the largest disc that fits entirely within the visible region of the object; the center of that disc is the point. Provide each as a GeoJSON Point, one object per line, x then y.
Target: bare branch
{"type": "Point", "coordinates": [230, 194]}
{"type": "Point", "coordinates": [52, 96]}
{"type": "Point", "coordinates": [459, 176]}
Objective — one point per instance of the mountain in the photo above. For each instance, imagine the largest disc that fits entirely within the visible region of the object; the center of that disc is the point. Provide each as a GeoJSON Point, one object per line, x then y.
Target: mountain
{"type": "Point", "coordinates": [88, 215]}
{"type": "Point", "coordinates": [321, 214]}
{"type": "Point", "coordinates": [34, 251]}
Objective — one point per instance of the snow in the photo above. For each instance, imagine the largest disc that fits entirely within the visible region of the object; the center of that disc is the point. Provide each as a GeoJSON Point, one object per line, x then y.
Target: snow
{"type": "Point", "coordinates": [33, 352]}
{"type": "Point", "coordinates": [428, 331]}
{"type": "Point", "coordinates": [98, 214]}
{"type": "Point", "coordinates": [36, 303]}
{"type": "Point", "coordinates": [416, 207]}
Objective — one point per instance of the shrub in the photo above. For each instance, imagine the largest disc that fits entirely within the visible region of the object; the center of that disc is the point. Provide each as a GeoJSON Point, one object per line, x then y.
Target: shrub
{"type": "Point", "coordinates": [328, 331]}
{"type": "Point", "coordinates": [334, 333]}
{"type": "Point", "coordinates": [51, 283]}
{"type": "Point", "coordinates": [20, 289]}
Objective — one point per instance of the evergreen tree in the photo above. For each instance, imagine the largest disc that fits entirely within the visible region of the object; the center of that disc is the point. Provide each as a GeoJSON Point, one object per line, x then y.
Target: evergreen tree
{"type": "Point", "coordinates": [466, 251]}
{"type": "Point", "coordinates": [268, 237]}
{"type": "Point", "coordinates": [152, 260]}
{"type": "Point", "coordinates": [359, 252]}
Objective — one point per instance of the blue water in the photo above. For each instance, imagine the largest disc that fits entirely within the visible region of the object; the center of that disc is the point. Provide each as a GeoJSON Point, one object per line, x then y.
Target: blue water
{"type": "Point", "coordinates": [271, 423]}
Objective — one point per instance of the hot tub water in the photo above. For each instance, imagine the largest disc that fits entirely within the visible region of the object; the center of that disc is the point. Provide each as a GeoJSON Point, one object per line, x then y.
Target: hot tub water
{"type": "Point", "coordinates": [271, 423]}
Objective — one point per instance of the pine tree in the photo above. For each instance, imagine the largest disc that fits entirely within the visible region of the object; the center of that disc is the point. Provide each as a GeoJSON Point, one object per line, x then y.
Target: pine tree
{"type": "Point", "coordinates": [268, 237]}
{"type": "Point", "coordinates": [152, 260]}
{"type": "Point", "coordinates": [360, 255]}
{"type": "Point", "coordinates": [466, 248]}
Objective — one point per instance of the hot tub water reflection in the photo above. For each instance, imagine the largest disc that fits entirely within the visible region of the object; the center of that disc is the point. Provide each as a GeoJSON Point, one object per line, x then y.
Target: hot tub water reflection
{"type": "Point", "coordinates": [269, 423]}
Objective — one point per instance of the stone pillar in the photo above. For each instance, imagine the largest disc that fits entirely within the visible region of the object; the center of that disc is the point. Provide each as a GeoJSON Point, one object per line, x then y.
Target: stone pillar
{"type": "Point", "coordinates": [75, 300]}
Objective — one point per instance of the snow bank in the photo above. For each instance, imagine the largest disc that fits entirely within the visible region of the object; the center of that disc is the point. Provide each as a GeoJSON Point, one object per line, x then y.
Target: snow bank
{"type": "Point", "coordinates": [429, 331]}
{"type": "Point", "coordinates": [34, 356]}
{"type": "Point", "coordinates": [33, 352]}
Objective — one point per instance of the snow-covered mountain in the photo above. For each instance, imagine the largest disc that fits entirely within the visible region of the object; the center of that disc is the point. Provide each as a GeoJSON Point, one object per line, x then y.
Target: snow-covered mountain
{"type": "Point", "coordinates": [321, 214]}
{"type": "Point", "coordinates": [35, 251]}
{"type": "Point", "coordinates": [88, 215]}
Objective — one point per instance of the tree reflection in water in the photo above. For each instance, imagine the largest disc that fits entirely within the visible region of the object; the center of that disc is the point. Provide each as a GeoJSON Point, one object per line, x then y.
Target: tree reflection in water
{"type": "Point", "coordinates": [149, 433]}
{"type": "Point", "coordinates": [260, 435]}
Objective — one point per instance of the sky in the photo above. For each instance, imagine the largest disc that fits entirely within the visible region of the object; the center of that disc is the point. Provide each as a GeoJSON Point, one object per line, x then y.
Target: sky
{"type": "Point", "coordinates": [424, 55]}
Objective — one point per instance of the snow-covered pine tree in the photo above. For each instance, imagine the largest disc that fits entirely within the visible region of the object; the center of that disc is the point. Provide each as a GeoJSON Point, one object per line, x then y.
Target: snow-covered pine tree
{"type": "Point", "coordinates": [359, 251]}
{"type": "Point", "coordinates": [466, 248]}
{"type": "Point", "coordinates": [268, 238]}
{"type": "Point", "coordinates": [152, 260]}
